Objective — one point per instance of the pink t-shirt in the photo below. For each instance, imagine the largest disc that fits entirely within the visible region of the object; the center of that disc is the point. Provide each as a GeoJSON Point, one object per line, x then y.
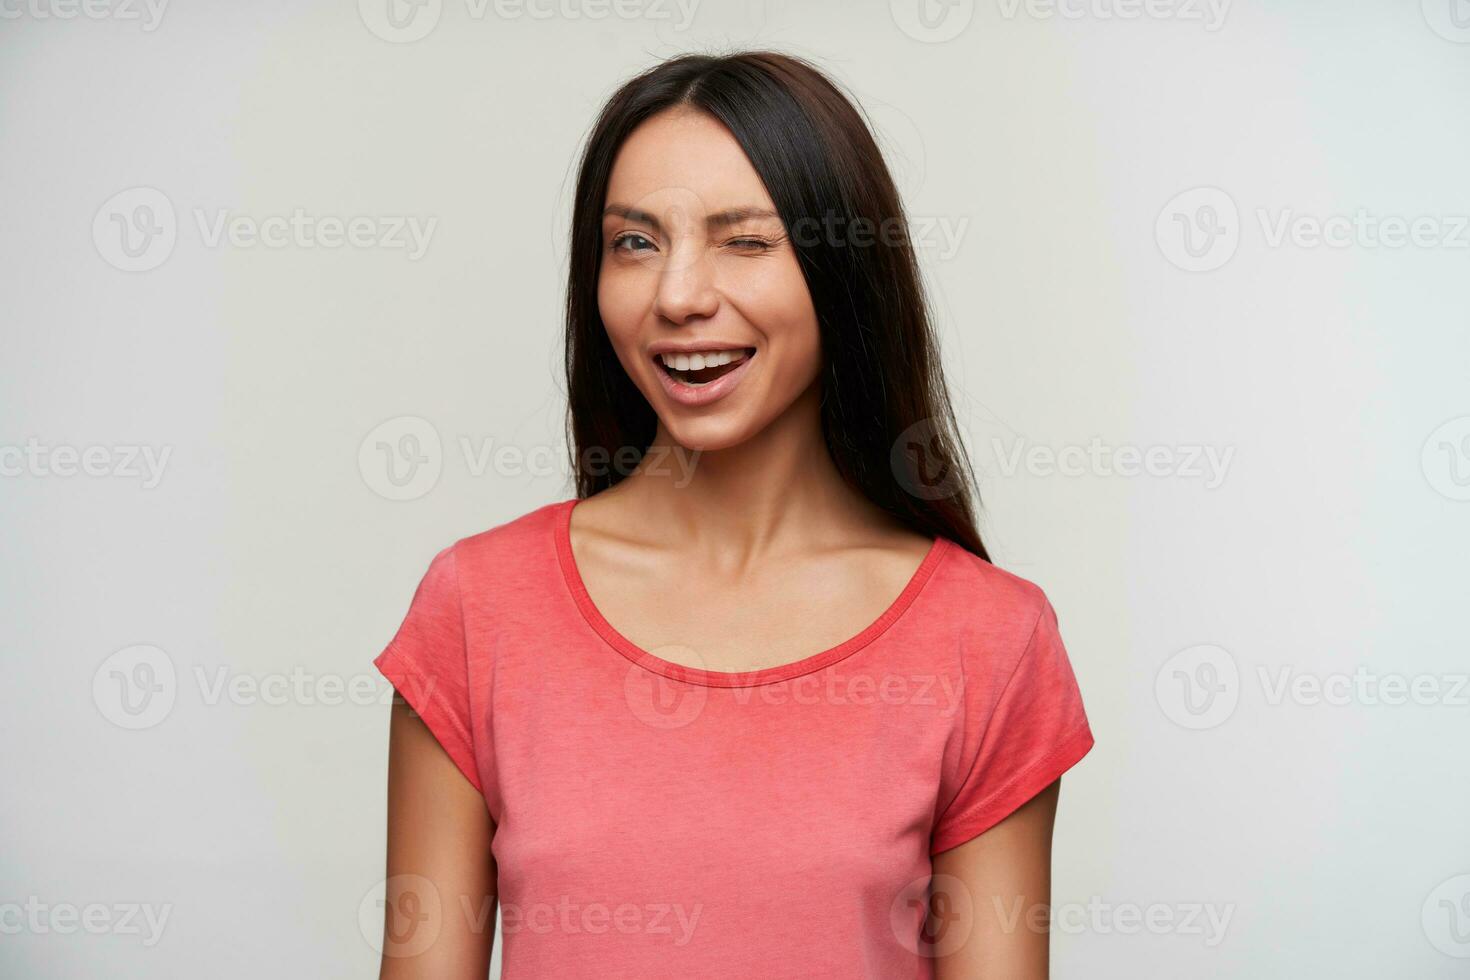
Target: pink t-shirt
{"type": "Point", "coordinates": [659, 821]}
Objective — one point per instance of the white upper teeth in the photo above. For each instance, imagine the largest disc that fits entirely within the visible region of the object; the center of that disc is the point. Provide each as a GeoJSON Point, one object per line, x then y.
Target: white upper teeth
{"type": "Point", "coordinates": [701, 359]}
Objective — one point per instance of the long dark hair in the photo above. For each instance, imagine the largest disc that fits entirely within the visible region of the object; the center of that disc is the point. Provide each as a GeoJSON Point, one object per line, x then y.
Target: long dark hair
{"type": "Point", "coordinates": [886, 415]}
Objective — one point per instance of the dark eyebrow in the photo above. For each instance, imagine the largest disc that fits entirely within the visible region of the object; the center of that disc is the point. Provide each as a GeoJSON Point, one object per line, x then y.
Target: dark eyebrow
{"type": "Point", "coordinates": [729, 216]}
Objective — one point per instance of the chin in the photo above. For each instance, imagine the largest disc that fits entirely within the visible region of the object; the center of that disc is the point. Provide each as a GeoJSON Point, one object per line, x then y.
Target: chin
{"type": "Point", "coordinates": [706, 435]}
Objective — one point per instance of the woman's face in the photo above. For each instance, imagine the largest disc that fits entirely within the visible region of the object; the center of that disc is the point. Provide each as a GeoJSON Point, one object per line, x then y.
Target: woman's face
{"type": "Point", "coordinates": [699, 288]}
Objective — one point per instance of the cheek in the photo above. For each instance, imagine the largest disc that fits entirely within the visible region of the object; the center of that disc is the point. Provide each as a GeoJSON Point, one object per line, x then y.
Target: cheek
{"type": "Point", "coordinates": [621, 310]}
{"type": "Point", "coordinates": [784, 312]}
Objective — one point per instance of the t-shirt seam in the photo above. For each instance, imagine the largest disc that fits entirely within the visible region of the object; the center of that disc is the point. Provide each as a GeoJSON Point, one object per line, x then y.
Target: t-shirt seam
{"type": "Point", "coordinates": [607, 634]}
{"type": "Point", "coordinates": [1057, 750]}
{"type": "Point", "coordinates": [426, 683]}
{"type": "Point", "coordinates": [984, 735]}
{"type": "Point", "coordinates": [464, 647]}
{"type": "Point", "coordinates": [561, 568]}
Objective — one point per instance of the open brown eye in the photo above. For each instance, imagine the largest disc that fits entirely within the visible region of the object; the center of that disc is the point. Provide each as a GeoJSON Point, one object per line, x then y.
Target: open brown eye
{"type": "Point", "coordinates": [629, 237]}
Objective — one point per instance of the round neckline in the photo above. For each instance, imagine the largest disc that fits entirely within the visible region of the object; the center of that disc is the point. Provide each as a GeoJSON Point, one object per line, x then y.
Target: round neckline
{"type": "Point", "coordinates": [722, 678]}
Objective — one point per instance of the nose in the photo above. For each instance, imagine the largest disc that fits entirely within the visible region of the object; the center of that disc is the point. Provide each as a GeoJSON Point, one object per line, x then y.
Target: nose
{"type": "Point", "coordinates": [686, 285]}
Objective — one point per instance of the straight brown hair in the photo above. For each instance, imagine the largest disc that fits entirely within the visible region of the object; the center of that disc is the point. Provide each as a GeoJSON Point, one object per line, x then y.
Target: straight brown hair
{"type": "Point", "coordinates": [886, 415]}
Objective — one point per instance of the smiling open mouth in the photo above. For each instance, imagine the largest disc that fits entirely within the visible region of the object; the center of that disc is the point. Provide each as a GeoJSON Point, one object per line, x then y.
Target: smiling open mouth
{"type": "Point", "coordinates": [699, 368]}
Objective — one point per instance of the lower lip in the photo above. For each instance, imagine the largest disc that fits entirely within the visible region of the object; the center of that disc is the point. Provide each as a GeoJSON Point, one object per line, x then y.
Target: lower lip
{"type": "Point", "coordinates": [704, 394]}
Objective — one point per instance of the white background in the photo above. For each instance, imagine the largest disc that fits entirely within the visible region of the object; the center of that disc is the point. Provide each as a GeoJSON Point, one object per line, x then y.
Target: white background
{"type": "Point", "coordinates": [1054, 142]}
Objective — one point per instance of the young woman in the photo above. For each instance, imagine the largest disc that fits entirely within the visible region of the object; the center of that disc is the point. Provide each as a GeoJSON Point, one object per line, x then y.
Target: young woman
{"type": "Point", "coordinates": [753, 703]}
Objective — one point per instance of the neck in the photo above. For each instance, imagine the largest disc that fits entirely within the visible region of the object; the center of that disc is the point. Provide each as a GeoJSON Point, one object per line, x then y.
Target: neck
{"type": "Point", "coordinates": [772, 490]}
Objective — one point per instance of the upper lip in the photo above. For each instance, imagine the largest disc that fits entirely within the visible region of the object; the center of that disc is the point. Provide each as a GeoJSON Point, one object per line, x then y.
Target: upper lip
{"type": "Point", "coordinates": [693, 346]}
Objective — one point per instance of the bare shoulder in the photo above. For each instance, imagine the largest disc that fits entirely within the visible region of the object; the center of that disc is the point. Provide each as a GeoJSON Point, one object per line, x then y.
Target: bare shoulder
{"type": "Point", "coordinates": [904, 544]}
{"type": "Point", "coordinates": [879, 556]}
{"type": "Point", "coordinates": [601, 515]}
{"type": "Point", "coordinates": [604, 532]}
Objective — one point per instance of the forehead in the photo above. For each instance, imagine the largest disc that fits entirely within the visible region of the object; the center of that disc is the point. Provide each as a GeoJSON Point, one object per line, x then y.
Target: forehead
{"type": "Point", "coordinates": [686, 155]}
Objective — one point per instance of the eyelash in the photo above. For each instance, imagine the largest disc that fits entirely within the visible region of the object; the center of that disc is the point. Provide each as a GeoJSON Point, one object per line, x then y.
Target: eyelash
{"type": "Point", "coordinates": [754, 244]}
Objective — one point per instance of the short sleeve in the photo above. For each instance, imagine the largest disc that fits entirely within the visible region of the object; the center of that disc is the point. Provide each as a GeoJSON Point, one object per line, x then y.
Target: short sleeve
{"type": "Point", "coordinates": [1034, 730]}
{"type": "Point", "coordinates": [427, 662]}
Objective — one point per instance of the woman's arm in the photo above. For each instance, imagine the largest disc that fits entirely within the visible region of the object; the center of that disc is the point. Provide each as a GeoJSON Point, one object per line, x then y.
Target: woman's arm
{"type": "Point", "coordinates": [1005, 879]}
{"type": "Point", "coordinates": [439, 917]}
